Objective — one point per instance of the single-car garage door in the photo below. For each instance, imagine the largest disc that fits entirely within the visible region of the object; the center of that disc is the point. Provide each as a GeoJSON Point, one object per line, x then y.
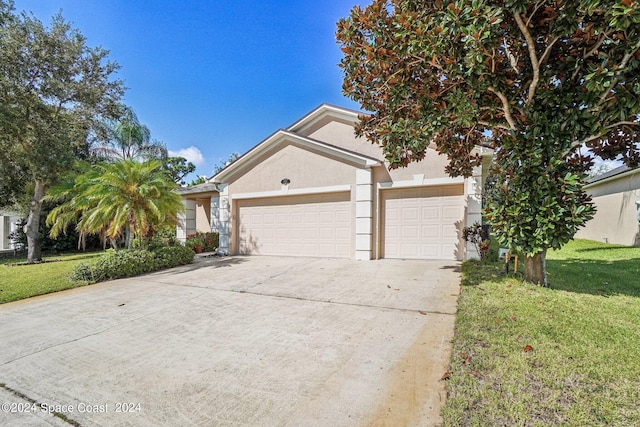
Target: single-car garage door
{"type": "Point", "coordinates": [422, 223]}
{"type": "Point", "coordinates": [313, 225]}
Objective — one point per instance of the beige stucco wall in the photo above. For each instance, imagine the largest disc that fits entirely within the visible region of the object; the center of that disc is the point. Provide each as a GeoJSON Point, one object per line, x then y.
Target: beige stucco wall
{"type": "Point", "coordinates": [615, 220]}
{"type": "Point", "coordinates": [340, 133]}
{"type": "Point", "coordinates": [303, 167]}
{"type": "Point", "coordinates": [203, 214]}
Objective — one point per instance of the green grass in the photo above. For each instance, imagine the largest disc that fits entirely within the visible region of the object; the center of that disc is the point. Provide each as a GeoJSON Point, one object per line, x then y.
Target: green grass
{"type": "Point", "coordinates": [19, 280]}
{"type": "Point", "coordinates": [583, 368]}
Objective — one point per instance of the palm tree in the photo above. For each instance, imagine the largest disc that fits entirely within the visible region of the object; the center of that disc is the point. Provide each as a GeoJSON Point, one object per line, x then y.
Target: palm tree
{"type": "Point", "coordinates": [123, 198]}
{"type": "Point", "coordinates": [127, 138]}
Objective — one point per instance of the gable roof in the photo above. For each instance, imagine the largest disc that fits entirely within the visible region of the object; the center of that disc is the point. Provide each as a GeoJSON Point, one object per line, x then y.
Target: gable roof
{"type": "Point", "coordinates": [275, 140]}
{"type": "Point", "coordinates": [322, 111]}
{"type": "Point", "coordinates": [205, 187]}
{"type": "Point", "coordinates": [619, 172]}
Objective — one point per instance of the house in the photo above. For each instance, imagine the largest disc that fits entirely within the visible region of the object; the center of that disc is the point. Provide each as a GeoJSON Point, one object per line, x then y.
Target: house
{"type": "Point", "coordinates": [314, 189]}
{"type": "Point", "coordinates": [616, 195]}
{"type": "Point", "coordinates": [8, 224]}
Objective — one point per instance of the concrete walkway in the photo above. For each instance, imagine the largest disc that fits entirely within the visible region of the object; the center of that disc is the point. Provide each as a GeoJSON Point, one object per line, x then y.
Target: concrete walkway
{"type": "Point", "coordinates": [238, 341]}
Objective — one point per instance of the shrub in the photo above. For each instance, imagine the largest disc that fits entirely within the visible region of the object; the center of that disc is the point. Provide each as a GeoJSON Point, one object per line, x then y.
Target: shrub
{"type": "Point", "coordinates": [164, 237]}
{"type": "Point", "coordinates": [210, 240]}
{"type": "Point", "coordinates": [173, 256]}
{"type": "Point", "coordinates": [132, 262]}
{"type": "Point", "coordinates": [477, 235]}
{"type": "Point", "coordinates": [199, 241]}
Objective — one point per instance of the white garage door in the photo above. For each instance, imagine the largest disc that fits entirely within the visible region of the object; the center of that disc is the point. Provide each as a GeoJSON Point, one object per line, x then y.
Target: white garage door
{"type": "Point", "coordinates": [423, 223]}
{"type": "Point", "coordinates": [317, 225]}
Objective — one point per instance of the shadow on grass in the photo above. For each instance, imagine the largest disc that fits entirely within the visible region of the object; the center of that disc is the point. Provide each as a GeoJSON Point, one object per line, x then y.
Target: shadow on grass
{"type": "Point", "coordinates": [603, 249]}
{"type": "Point", "coordinates": [476, 272]}
{"type": "Point", "coordinates": [596, 277]}
{"type": "Point", "coordinates": [586, 276]}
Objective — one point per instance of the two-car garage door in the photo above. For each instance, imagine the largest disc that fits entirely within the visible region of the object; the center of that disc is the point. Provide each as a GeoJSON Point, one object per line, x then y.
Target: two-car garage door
{"type": "Point", "coordinates": [415, 223]}
{"type": "Point", "coordinates": [311, 225]}
{"type": "Point", "coordinates": [422, 223]}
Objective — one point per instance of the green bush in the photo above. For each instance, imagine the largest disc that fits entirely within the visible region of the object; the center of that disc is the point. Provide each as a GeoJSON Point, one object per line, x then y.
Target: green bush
{"type": "Point", "coordinates": [203, 242]}
{"type": "Point", "coordinates": [162, 238]}
{"type": "Point", "coordinates": [173, 256]}
{"type": "Point", "coordinates": [127, 263]}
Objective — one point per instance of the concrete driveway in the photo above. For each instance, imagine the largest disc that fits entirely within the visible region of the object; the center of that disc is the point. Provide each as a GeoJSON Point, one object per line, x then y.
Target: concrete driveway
{"type": "Point", "coordinates": [237, 341]}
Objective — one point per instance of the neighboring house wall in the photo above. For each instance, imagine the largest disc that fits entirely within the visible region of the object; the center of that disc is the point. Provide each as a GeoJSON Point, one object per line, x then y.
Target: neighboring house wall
{"type": "Point", "coordinates": [8, 224]}
{"type": "Point", "coordinates": [616, 218]}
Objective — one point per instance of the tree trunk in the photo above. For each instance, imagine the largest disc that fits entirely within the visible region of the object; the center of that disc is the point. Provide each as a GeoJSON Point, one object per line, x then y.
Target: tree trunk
{"type": "Point", "coordinates": [127, 236]}
{"type": "Point", "coordinates": [535, 269]}
{"type": "Point", "coordinates": [32, 227]}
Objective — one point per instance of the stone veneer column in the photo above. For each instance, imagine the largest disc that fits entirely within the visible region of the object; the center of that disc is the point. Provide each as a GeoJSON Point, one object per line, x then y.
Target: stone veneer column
{"type": "Point", "coordinates": [364, 214]}
{"type": "Point", "coordinates": [224, 219]}
{"type": "Point", "coordinates": [186, 220]}
{"type": "Point", "coordinates": [215, 214]}
{"type": "Point", "coordinates": [473, 191]}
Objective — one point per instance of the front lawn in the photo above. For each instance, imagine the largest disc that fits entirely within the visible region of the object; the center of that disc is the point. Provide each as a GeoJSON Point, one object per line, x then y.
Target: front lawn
{"type": "Point", "coordinates": [568, 355]}
{"type": "Point", "coordinates": [19, 281]}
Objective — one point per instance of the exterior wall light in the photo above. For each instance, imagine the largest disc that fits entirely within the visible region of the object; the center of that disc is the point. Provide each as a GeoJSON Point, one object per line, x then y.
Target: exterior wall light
{"type": "Point", "coordinates": [285, 181]}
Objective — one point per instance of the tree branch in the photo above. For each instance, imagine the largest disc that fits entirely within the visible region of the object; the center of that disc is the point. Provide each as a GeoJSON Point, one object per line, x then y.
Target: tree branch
{"type": "Point", "coordinates": [505, 107]}
{"type": "Point", "coordinates": [580, 142]}
{"type": "Point", "coordinates": [591, 51]}
{"type": "Point", "coordinates": [547, 51]}
{"type": "Point", "coordinates": [512, 59]}
{"type": "Point", "coordinates": [493, 125]}
{"type": "Point", "coordinates": [535, 9]}
{"type": "Point", "coordinates": [535, 64]}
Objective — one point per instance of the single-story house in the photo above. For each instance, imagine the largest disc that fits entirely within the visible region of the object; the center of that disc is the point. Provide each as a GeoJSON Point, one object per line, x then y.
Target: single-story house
{"type": "Point", "coordinates": [616, 195]}
{"type": "Point", "coordinates": [314, 189]}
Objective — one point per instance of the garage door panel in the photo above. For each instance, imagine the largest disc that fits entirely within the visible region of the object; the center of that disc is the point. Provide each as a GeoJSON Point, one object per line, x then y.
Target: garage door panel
{"type": "Point", "coordinates": [409, 213]}
{"type": "Point", "coordinates": [430, 232]}
{"type": "Point", "coordinates": [317, 225]}
{"type": "Point", "coordinates": [408, 231]}
{"type": "Point", "coordinates": [429, 213]}
{"type": "Point", "coordinates": [451, 212]}
{"type": "Point", "coordinates": [422, 223]}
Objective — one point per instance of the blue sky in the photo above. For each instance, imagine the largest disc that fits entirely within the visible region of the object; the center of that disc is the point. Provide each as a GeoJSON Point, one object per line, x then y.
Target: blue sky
{"type": "Point", "coordinates": [215, 77]}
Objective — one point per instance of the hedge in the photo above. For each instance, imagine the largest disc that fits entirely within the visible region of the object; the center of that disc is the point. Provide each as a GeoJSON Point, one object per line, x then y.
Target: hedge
{"type": "Point", "coordinates": [133, 262]}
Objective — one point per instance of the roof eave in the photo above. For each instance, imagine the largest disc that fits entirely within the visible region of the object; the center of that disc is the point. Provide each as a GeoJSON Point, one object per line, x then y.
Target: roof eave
{"type": "Point", "coordinates": [281, 135]}
{"type": "Point", "coordinates": [613, 178]}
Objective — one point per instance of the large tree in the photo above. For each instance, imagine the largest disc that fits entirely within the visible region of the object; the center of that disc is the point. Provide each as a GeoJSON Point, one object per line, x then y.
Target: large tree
{"type": "Point", "coordinates": [124, 198]}
{"type": "Point", "coordinates": [178, 168]}
{"type": "Point", "coordinates": [536, 81]}
{"type": "Point", "coordinates": [52, 89]}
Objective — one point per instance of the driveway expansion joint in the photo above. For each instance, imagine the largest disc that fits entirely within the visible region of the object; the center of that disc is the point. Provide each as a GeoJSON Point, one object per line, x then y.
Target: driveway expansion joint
{"type": "Point", "coordinates": [28, 399]}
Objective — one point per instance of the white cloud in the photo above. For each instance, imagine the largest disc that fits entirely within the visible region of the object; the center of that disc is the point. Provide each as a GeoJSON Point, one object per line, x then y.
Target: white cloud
{"type": "Point", "coordinates": [192, 154]}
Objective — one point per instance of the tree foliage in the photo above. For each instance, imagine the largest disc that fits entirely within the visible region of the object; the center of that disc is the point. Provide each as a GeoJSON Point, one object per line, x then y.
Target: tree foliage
{"type": "Point", "coordinates": [124, 198]}
{"type": "Point", "coordinates": [178, 168]}
{"type": "Point", "coordinates": [224, 163]}
{"type": "Point", "coordinates": [53, 88]}
{"type": "Point", "coordinates": [535, 81]}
